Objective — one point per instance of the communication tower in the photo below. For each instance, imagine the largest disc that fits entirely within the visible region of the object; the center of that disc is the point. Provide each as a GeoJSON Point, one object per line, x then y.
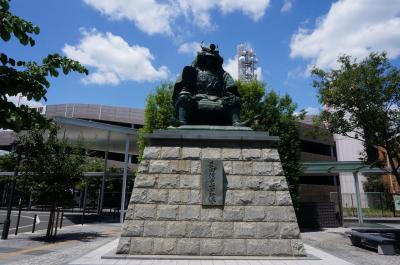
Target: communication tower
{"type": "Point", "coordinates": [247, 61]}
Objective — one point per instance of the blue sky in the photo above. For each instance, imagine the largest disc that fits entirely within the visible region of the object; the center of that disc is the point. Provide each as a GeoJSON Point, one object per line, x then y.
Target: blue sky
{"type": "Point", "coordinates": [130, 46]}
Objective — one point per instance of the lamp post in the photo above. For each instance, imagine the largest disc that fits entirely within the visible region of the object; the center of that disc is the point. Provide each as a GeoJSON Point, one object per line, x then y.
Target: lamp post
{"type": "Point", "coordinates": [7, 221]}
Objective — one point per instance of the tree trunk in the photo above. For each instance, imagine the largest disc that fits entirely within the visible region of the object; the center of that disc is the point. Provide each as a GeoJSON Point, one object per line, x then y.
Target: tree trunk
{"type": "Point", "coordinates": [51, 220]}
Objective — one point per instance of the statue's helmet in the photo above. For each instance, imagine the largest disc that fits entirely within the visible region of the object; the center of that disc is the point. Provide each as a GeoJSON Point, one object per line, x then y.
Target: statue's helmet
{"type": "Point", "coordinates": [209, 57]}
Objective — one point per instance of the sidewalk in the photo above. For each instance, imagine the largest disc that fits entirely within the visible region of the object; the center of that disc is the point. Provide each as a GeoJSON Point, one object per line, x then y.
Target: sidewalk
{"type": "Point", "coordinates": [71, 243]}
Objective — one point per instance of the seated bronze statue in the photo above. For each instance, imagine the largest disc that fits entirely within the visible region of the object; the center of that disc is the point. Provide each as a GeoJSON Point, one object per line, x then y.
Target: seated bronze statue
{"type": "Point", "coordinates": [205, 94]}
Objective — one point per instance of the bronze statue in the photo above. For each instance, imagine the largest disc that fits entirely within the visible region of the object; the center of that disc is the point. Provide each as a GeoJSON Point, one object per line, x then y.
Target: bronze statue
{"type": "Point", "coordinates": [205, 94]}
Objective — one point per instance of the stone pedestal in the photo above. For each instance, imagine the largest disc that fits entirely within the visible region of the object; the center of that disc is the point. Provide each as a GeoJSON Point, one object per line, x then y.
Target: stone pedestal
{"type": "Point", "coordinates": [165, 214]}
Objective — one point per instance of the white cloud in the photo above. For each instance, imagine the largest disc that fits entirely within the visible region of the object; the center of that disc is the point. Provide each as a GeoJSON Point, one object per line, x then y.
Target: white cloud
{"type": "Point", "coordinates": [153, 17]}
{"type": "Point", "coordinates": [353, 27]}
{"type": "Point", "coordinates": [231, 66]}
{"type": "Point", "coordinates": [19, 100]}
{"type": "Point", "coordinates": [114, 60]}
{"type": "Point", "coordinates": [189, 47]}
{"type": "Point", "coordinates": [312, 111]}
{"type": "Point", "coordinates": [287, 6]}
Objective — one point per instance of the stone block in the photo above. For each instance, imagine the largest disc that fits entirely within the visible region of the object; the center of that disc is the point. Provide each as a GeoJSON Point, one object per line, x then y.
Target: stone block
{"type": "Point", "coordinates": [189, 212]}
{"type": "Point", "coordinates": [251, 154]}
{"type": "Point", "coordinates": [283, 198]}
{"type": "Point", "coordinates": [192, 153]}
{"type": "Point", "coordinates": [132, 228]}
{"type": "Point", "coordinates": [175, 197]}
{"type": "Point", "coordinates": [270, 155]}
{"type": "Point", "coordinates": [277, 169]}
{"type": "Point", "coordinates": [176, 229]}
{"type": "Point", "coordinates": [145, 211]}
{"type": "Point", "coordinates": [289, 230]}
{"type": "Point", "coordinates": [144, 166]}
{"type": "Point", "coordinates": [243, 197]}
{"type": "Point", "coordinates": [254, 213]}
{"type": "Point", "coordinates": [189, 182]}
{"type": "Point", "coordinates": [180, 166]}
{"type": "Point", "coordinates": [211, 214]}
{"type": "Point", "coordinates": [268, 230]}
{"type": "Point", "coordinates": [168, 181]}
{"type": "Point", "coordinates": [211, 247]}
{"type": "Point", "coordinates": [159, 166]}
{"type": "Point", "coordinates": [242, 168]}
{"type": "Point", "coordinates": [188, 246]}
{"type": "Point", "coordinates": [138, 196]}
{"type": "Point", "coordinates": [168, 152]}
{"type": "Point", "coordinates": [124, 245]}
{"type": "Point", "coordinates": [231, 154]}
{"type": "Point", "coordinates": [167, 212]}
{"type": "Point", "coordinates": [151, 152]}
{"type": "Point", "coordinates": [199, 229]}
{"type": "Point", "coordinates": [154, 229]}
{"type": "Point", "coordinates": [245, 230]}
{"type": "Point", "coordinates": [194, 196]}
{"type": "Point", "coordinates": [211, 153]}
{"type": "Point", "coordinates": [222, 229]}
{"type": "Point", "coordinates": [280, 214]}
{"type": "Point", "coordinates": [258, 247]}
{"type": "Point", "coordinates": [263, 168]}
{"type": "Point", "coordinates": [195, 167]}
{"type": "Point", "coordinates": [227, 167]}
{"type": "Point", "coordinates": [275, 183]}
{"type": "Point", "coordinates": [165, 246]}
{"type": "Point", "coordinates": [141, 245]}
{"type": "Point", "coordinates": [298, 248]}
{"type": "Point", "coordinates": [252, 182]}
{"type": "Point", "coordinates": [234, 182]}
{"type": "Point", "coordinates": [145, 181]}
{"type": "Point", "coordinates": [233, 213]}
{"type": "Point", "coordinates": [157, 196]}
{"type": "Point", "coordinates": [235, 247]}
{"type": "Point", "coordinates": [280, 247]}
{"type": "Point", "coordinates": [130, 212]}
{"type": "Point", "coordinates": [262, 197]}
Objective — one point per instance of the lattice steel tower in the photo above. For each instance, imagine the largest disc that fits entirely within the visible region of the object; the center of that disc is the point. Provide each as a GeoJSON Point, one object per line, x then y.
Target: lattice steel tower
{"type": "Point", "coordinates": [247, 61]}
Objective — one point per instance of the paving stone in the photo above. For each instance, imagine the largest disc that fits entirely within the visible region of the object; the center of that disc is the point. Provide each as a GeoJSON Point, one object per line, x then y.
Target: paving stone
{"type": "Point", "coordinates": [141, 245]}
{"type": "Point", "coordinates": [235, 247]}
{"type": "Point", "coordinates": [242, 168]}
{"type": "Point", "coordinates": [251, 154]}
{"type": "Point", "coordinates": [151, 152]}
{"type": "Point", "coordinates": [233, 213]}
{"type": "Point", "coordinates": [167, 212]}
{"type": "Point", "coordinates": [245, 230]}
{"type": "Point", "coordinates": [211, 153]}
{"type": "Point", "coordinates": [222, 229]}
{"type": "Point", "coordinates": [145, 181]}
{"type": "Point", "coordinates": [189, 212]}
{"type": "Point", "coordinates": [191, 153]}
{"type": "Point", "coordinates": [165, 246]}
{"type": "Point", "coordinates": [268, 230]}
{"type": "Point", "coordinates": [168, 181]}
{"type": "Point", "coordinates": [254, 213]}
{"type": "Point", "coordinates": [170, 152]}
{"type": "Point", "coordinates": [199, 229]}
{"type": "Point", "coordinates": [145, 211]}
{"type": "Point", "coordinates": [154, 229]}
{"type": "Point", "coordinates": [211, 247]}
{"type": "Point", "coordinates": [189, 181]}
{"type": "Point", "coordinates": [176, 229]}
{"type": "Point", "coordinates": [188, 246]}
{"type": "Point", "coordinates": [231, 154]}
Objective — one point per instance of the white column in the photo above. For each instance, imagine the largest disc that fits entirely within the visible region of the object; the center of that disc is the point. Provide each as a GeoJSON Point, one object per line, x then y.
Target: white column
{"type": "Point", "coordinates": [358, 198]}
{"type": "Point", "coordinates": [124, 177]}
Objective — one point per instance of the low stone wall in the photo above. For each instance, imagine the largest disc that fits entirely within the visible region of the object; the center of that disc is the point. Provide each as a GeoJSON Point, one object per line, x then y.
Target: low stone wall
{"type": "Point", "coordinates": [165, 215]}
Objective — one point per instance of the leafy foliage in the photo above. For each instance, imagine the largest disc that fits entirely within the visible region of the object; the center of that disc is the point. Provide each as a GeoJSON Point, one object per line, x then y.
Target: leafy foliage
{"type": "Point", "coordinates": [28, 79]}
{"type": "Point", "coordinates": [278, 118]}
{"type": "Point", "coordinates": [7, 162]}
{"type": "Point", "coordinates": [364, 103]}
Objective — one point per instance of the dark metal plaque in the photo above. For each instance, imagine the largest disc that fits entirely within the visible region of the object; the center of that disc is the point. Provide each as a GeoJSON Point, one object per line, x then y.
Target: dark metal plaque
{"type": "Point", "coordinates": [212, 171]}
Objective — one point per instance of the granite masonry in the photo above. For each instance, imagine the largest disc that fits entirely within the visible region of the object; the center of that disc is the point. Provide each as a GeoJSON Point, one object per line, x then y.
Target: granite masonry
{"type": "Point", "coordinates": [166, 216]}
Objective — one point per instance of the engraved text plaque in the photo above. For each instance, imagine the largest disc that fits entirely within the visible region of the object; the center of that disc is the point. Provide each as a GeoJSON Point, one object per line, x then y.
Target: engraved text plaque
{"type": "Point", "coordinates": [212, 181]}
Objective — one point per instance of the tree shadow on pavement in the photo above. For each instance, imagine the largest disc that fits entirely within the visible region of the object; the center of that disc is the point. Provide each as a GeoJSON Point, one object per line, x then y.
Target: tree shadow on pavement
{"type": "Point", "coordinates": [74, 236]}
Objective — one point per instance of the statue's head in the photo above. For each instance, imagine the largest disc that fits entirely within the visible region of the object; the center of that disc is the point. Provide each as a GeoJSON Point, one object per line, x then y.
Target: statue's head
{"type": "Point", "coordinates": [209, 58]}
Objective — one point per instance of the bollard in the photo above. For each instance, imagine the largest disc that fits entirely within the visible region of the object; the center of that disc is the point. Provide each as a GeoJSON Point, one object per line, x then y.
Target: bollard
{"type": "Point", "coordinates": [62, 218]}
{"type": "Point", "coordinates": [19, 216]}
{"type": "Point", "coordinates": [34, 223]}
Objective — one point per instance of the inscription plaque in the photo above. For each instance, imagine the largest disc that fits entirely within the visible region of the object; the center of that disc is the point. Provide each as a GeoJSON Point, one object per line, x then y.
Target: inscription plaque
{"type": "Point", "coordinates": [212, 171]}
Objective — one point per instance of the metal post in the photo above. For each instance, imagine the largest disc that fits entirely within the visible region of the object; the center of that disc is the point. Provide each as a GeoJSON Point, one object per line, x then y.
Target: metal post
{"type": "Point", "coordinates": [56, 226]}
{"type": "Point", "coordinates": [100, 210]}
{"type": "Point", "coordinates": [62, 218]}
{"type": "Point", "coordinates": [84, 203]}
{"type": "Point", "coordinates": [34, 223]}
{"type": "Point", "coordinates": [19, 216]}
{"type": "Point", "coordinates": [358, 198]}
{"type": "Point", "coordinates": [339, 196]}
{"type": "Point", "coordinates": [121, 217]}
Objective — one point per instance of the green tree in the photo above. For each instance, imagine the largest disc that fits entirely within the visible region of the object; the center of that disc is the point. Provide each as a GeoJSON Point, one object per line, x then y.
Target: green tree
{"type": "Point", "coordinates": [7, 162]}
{"type": "Point", "coordinates": [51, 167]}
{"type": "Point", "coordinates": [277, 116]}
{"type": "Point", "coordinates": [21, 78]}
{"type": "Point", "coordinates": [364, 103]}
{"type": "Point", "coordinates": [158, 112]}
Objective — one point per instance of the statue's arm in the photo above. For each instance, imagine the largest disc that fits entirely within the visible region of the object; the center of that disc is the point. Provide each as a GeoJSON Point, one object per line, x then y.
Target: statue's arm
{"type": "Point", "coordinates": [230, 88]}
